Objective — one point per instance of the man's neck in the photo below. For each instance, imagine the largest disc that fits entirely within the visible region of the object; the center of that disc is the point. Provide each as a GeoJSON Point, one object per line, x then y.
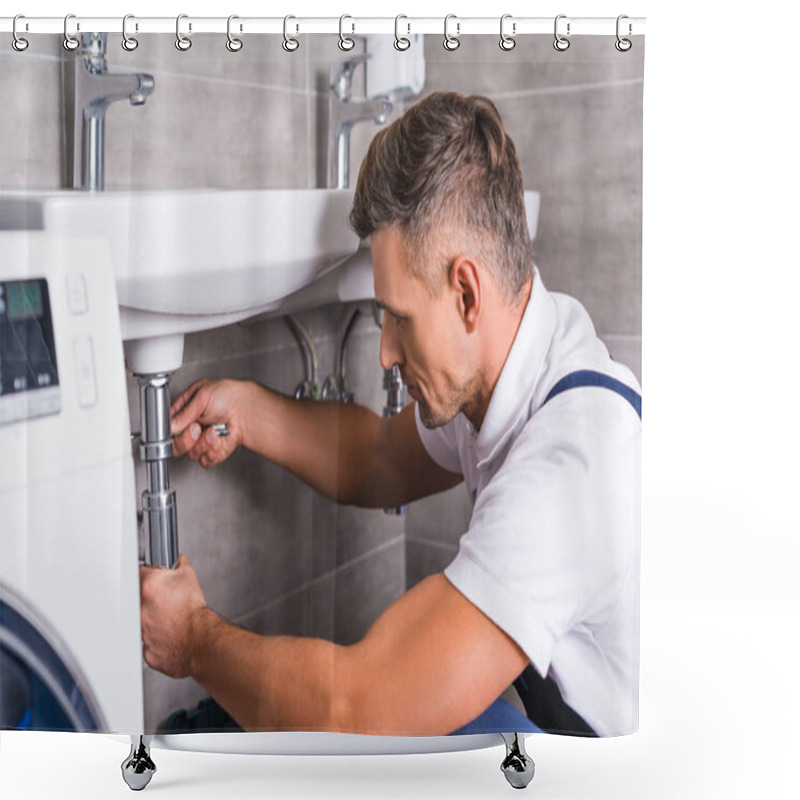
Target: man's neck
{"type": "Point", "coordinates": [500, 339]}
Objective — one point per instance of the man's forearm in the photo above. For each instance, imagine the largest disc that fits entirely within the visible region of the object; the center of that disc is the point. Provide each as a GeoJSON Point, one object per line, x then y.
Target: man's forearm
{"type": "Point", "coordinates": [268, 682]}
{"type": "Point", "coordinates": [336, 448]}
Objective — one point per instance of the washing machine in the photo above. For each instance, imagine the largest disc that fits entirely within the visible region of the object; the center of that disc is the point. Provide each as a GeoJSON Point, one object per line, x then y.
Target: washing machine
{"type": "Point", "coordinates": [70, 642]}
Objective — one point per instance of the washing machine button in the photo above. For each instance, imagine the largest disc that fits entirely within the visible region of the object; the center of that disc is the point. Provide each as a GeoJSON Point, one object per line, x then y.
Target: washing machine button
{"type": "Point", "coordinates": [76, 293]}
{"type": "Point", "coordinates": [84, 369]}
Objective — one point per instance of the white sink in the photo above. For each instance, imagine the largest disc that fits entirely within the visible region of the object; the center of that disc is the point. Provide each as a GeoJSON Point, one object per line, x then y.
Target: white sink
{"type": "Point", "coordinates": [201, 251]}
{"type": "Point", "coordinates": [193, 259]}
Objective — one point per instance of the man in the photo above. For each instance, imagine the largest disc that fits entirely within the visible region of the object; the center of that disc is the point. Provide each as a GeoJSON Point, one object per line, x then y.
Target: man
{"type": "Point", "coordinates": [545, 584]}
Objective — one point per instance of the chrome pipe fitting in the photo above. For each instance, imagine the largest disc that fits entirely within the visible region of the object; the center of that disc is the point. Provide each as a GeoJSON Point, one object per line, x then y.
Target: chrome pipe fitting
{"type": "Point", "coordinates": [395, 391]}
{"type": "Point", "coordinates": [159, 505]}
{"type": "Point", "coordinates": [334, 387]}
{"type": "Point", "coordinates": [395, 401]}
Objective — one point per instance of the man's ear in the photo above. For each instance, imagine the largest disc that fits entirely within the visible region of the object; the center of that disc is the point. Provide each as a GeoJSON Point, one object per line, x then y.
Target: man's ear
{"type": "Point", "coordinates": [465, 281]}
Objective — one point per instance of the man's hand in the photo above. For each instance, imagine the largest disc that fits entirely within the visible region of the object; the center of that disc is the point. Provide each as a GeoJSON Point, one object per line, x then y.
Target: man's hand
{"type": "Point", "coordinates": [203, 404]}
{"type": "Point", "coordinates": [171, 601]}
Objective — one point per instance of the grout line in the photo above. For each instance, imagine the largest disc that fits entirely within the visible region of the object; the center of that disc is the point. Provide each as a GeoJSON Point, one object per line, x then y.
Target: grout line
{"type": "Point", "coordinates": [156, 68]}
{"type": "Point", "coordinates": [4, 56]}
{"type": "Point", "coordinates": [158, 72]}
{"type": "Point", "coordinates": [567, 89]}
{"type": "Point", "coordinates": [320, 578]}
{"type": "Point", "coordinates": [309, 92]}
{"type": "Point", "coordinates": [450, 548]}
{"type": "Point", "coordinates": [630, 337]}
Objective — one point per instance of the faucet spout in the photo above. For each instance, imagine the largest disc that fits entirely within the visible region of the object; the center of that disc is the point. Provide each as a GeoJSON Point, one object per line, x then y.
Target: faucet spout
{"type": "Point", "coordinates": [98, 91]}
{"type": "Point", "coordinates": [89, 89]}
{"type": "Point", "coordinates": [344, 115]}
{"type": "Point", "coordinates": [345, 112]}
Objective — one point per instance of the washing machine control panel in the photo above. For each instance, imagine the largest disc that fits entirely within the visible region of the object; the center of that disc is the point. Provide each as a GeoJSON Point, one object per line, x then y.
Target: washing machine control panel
{"type": "Point", "coordinates": [29, 385]}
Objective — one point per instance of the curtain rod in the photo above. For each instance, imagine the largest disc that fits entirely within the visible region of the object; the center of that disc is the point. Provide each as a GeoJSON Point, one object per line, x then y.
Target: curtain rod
{"type": "Point", "coordinates": [459, 26]}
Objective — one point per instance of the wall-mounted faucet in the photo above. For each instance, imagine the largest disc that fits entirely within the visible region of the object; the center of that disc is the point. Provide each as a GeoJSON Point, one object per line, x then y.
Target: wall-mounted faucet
{"type": "Point", "coordinates": [345, 112]}
{"type": "Point", "coordinates": [88, 90]}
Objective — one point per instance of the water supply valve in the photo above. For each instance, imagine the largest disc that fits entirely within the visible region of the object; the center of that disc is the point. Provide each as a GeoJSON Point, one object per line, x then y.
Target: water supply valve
{"type": "Point", "coordinates": [395, 401]}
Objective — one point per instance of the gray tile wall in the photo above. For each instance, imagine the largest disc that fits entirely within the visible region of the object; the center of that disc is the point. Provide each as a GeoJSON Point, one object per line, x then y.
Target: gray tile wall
{"type": "Point", "coordinates": [30, 131]}
{"type": "Point", "coordinates": [272, 554]}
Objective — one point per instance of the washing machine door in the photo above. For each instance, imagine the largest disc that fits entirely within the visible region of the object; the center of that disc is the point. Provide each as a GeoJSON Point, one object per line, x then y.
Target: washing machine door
{"type": "Point", "coordinates": [41, 685]}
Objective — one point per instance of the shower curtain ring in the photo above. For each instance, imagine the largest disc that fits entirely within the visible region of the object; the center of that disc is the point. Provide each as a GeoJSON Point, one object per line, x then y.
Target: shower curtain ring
{"type": "Point", "coordinates": [290, 44]}
{"type": "Point", "coordinates": [233, 44]}
{"type": "Point", "coordinates": [71, 43]}
{"type": "Point", "coordinates": [345, 42]}
{"type": "Point", "coordinates": [623, 45]}
{"type": "Point", "coordinates": [401, 42]}
{"type": "Point", "coordinates": [129, 43]}
{"type": "Point", "coordinates": [451, 42]}
{"type": "Point", "coordinates": [507, 42]}
{"type": "Point", "coordinates": [183, 43]}
{"type": "Point", "coordinates": [561, 43]}
{"type": "Point", "coordinates": [18, 43]}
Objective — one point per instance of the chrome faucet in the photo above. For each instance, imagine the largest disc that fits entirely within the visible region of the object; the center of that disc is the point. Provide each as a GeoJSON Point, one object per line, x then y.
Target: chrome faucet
{"type": "Point", "coordinates": [89, 88]}
{"type": "Point", "coordinates": [345, 112]}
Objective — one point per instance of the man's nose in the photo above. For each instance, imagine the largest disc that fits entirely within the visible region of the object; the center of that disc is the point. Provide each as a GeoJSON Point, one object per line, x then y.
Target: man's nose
{"type": "Point", "coordinates": [391, 352]}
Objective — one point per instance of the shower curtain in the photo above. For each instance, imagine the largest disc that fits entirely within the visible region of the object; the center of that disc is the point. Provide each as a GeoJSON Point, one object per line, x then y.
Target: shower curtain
{"type": "Point", "coordinates": [534, 536]}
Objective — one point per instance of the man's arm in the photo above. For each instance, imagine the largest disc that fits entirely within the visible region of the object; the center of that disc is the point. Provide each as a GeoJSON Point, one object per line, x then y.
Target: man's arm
{"type": "Point", "coordinates": [430, 663]}
{"type": "Point", "coordinates": [344, 451]}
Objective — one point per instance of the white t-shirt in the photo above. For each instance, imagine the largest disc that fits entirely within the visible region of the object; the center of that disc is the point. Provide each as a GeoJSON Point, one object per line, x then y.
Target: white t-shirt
{"type": "Point", "coordinates": [551, 555]}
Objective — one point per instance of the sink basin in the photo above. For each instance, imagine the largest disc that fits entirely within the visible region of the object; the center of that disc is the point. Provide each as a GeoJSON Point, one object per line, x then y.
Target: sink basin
{"type": "Point", "coordinates": [202, 251]}
{"type": "Point", "coordinates": [193, 259]}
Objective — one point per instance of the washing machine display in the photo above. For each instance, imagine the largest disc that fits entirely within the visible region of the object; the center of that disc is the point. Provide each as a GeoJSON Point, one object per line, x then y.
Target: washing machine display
{"type": "Point", "coordinates": [29, 384]}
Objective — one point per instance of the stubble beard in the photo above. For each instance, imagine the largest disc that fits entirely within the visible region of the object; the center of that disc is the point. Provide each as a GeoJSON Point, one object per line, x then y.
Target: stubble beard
{"type": "Point", "coordinates": [458, 399]}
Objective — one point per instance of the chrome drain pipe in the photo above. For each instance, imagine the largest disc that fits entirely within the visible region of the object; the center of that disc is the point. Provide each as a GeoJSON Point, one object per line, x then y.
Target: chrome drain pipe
{"type": "Point", "coordinates": [159, 508]}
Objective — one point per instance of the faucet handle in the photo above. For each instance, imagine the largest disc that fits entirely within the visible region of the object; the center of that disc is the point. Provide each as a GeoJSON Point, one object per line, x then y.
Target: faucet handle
{"type": "Point", "coordinates": [146, 86]}
{"type": "Point", "coordinates": [342, 80]}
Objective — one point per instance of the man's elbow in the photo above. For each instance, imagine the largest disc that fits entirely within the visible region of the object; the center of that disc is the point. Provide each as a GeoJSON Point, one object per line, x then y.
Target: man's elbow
{"type": "Point", "coordinates": [364, 702]}
{"type": "Point", "coordinates": [353, 706]}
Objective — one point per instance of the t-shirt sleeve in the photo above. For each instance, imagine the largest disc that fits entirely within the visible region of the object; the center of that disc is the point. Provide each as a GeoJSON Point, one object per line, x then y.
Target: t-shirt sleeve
{"type": "Point", "coordinates": [552, 534]}
{"type": "Point", "coordinates": [441, 443]}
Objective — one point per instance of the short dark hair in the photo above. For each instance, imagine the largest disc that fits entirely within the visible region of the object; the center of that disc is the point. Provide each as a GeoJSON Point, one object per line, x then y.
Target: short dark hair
{"type": "Point", "coordinates": [447, 174]}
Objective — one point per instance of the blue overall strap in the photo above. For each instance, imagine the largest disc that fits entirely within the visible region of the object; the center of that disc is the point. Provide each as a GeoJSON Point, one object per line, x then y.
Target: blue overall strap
{"type": "Point", "coordinates": [588, 377]}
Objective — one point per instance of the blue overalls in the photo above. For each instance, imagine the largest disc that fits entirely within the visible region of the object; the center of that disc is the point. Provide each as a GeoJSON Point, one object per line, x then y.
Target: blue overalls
{"type": "Point", "coordinates": [545, 707]}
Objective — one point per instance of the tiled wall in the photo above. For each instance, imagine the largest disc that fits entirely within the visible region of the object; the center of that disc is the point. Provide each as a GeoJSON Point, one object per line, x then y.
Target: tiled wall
{"type": "Point", "coordinates": [271, 554]}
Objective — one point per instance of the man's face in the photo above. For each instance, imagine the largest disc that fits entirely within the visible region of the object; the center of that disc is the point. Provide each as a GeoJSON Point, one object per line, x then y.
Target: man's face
{"type": "Point", "coordinates": [421, 333]}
